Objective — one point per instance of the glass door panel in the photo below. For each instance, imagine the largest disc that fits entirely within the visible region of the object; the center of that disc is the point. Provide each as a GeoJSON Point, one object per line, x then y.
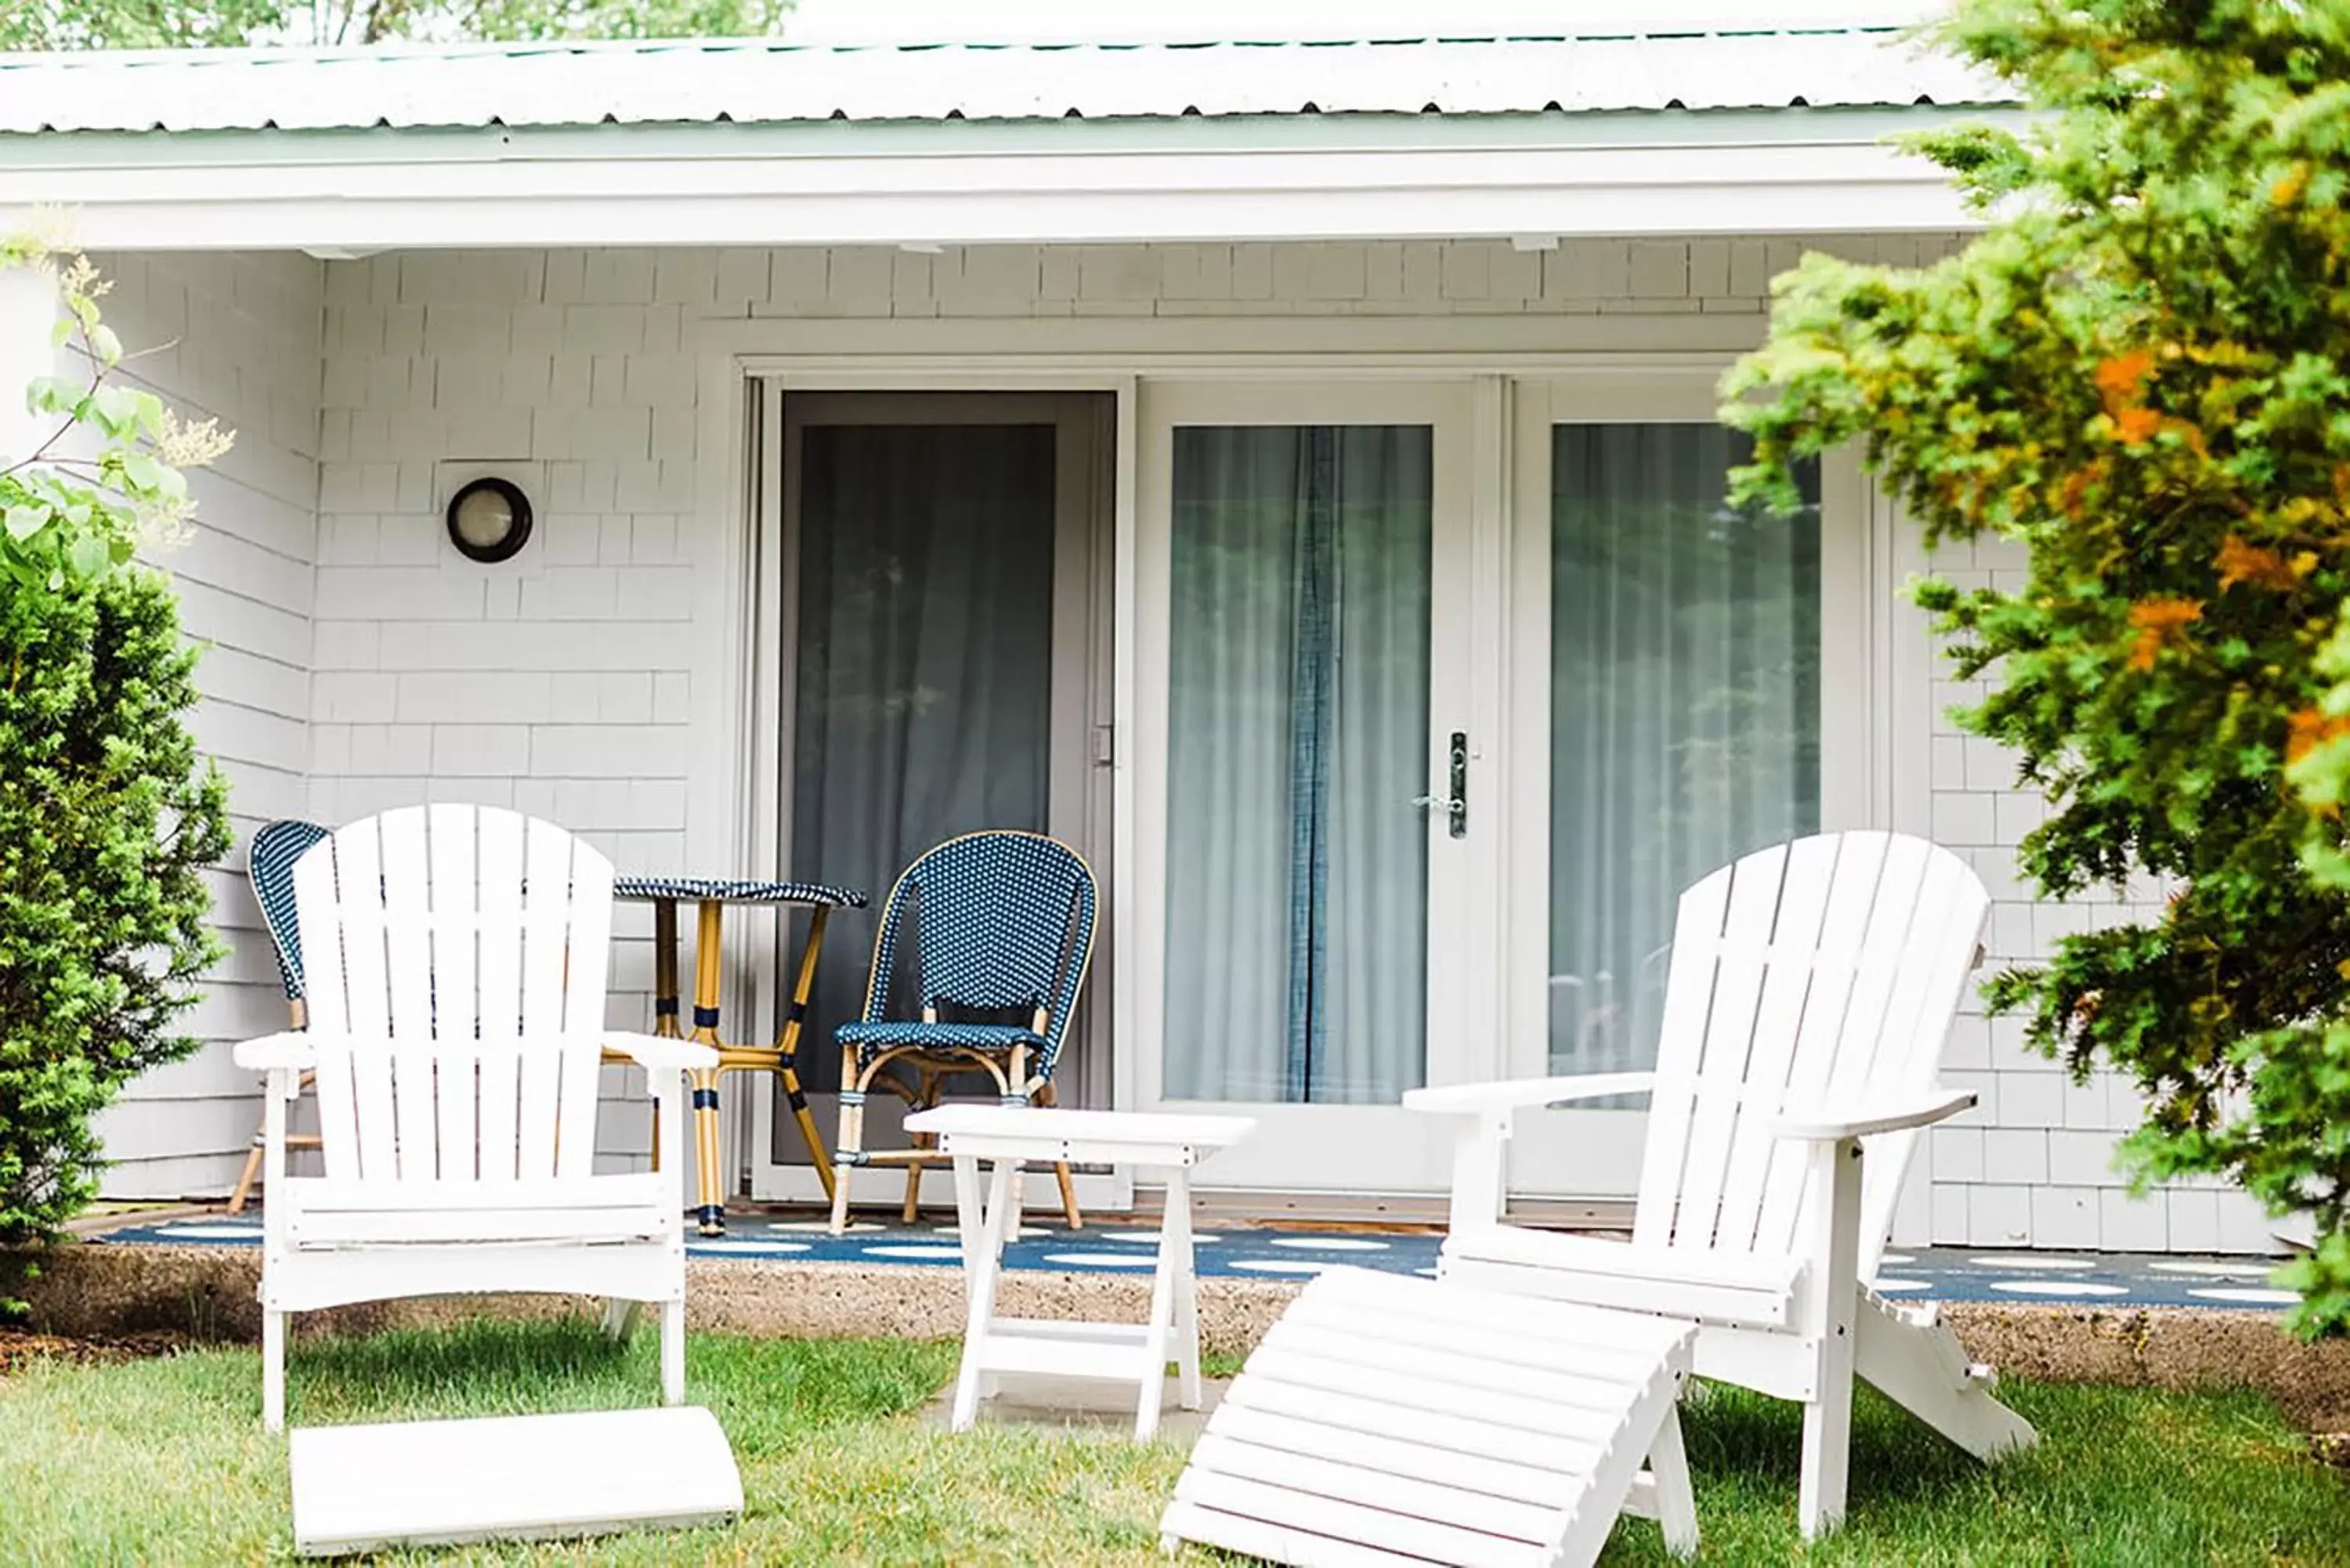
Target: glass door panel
{"type": "Point", "coordinates": [1303, 566]}
{"type": "Point", "coordinates": [922, 682]}
{"type": "Point", "coordinates": [1685, 708]}
{"type": "Point", "coordinates": [1671, 681]}
{"type": "Point", "coordinates": [937, 671]}
{"type": "Point", "coordinates": [1298, 723]}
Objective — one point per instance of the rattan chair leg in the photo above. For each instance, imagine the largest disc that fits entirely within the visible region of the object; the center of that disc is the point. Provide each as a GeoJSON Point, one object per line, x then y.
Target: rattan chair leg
{"type": "Point", "coordinates": [1046, 1096]}
{"type": "Point", "coordinates": [246, 1179]}
{"type": "Point", "coordinates": [848, 1148]}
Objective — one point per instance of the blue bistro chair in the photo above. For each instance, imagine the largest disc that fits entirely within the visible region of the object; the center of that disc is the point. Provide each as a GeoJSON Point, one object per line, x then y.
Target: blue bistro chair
{"type": "Point", "coordinates": [1001, 926]}
{"type": "Point", "coordinates": [269, 863]}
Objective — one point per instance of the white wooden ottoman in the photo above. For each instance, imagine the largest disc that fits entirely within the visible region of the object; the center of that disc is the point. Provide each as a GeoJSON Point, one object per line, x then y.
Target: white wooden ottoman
{"type": "Point", "coordinates": [1011, 1135]}
{"type": "Point", "coordinates": [1387, 1419]}
{"type": "Point", "coordinates": [428, 1483]}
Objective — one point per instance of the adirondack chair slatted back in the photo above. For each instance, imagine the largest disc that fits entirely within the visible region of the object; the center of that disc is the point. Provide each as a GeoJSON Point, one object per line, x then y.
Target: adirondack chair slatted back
{"type": "Point", "coordinates": [1820, 974]}
{"type": "Point", "coordinates": [456, 959]}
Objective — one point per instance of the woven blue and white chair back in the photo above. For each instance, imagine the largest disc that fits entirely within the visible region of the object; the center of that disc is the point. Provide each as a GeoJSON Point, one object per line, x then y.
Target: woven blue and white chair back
{"type": "Point", "coordinates": [269, 862]}
{"type": "Point", "coordinates": [1002, 921]}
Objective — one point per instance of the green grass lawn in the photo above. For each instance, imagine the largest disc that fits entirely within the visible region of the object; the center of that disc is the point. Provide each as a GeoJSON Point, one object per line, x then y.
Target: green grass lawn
{"type": "Point", "coordinates": [163, 1461]}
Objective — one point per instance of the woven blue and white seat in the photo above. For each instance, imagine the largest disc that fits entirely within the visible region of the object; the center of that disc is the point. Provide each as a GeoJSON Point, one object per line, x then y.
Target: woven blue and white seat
{"type": "Point", "coordinates": [269, 864]}
{"type": "Point", "coordinates": [999, 928]}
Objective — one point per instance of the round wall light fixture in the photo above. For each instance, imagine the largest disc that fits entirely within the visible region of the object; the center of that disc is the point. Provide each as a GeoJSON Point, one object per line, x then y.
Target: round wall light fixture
{"type": "Point", "coordinates": [489, 520]}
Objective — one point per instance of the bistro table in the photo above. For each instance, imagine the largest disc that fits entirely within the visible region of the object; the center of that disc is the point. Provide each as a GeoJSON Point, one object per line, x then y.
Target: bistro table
{"type": "Point", "coordinates": [1011, 1135]}
{"type": "Point", "coordinates": [710, 898]}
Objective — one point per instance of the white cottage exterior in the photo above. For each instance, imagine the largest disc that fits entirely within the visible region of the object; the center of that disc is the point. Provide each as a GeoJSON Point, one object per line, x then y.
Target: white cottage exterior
{"type": "Point", "coordinates": [1222, 455]}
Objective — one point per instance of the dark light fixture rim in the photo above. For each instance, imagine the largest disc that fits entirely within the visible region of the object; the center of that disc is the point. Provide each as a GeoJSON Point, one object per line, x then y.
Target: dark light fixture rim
{"type": "Point", "coordinates": [516, 503]}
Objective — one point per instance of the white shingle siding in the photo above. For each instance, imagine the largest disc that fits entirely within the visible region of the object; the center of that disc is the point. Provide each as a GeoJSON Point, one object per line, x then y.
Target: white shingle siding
{"type": "Point", "coordinates": [559, 684]}
{"type": "Point", "coordinates": [236, 337]}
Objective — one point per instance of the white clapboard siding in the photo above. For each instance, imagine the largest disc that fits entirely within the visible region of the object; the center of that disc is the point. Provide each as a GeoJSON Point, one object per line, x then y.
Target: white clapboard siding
{"type": "Point", "coordinates": [234, 336]}
{"type": "Point", "coordinates": [456, 959]}
{"type": "Point", "coordinates": [1813, 985]}
{"type": "Point", "coordinates": [1389, 1420]}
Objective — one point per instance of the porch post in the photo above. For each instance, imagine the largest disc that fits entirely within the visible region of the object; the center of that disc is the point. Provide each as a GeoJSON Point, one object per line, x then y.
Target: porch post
{"type": "Point", "coordinates": [28, 307]}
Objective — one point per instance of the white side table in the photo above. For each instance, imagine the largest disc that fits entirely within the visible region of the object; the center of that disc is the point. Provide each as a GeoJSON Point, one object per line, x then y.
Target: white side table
{"type": "Point", "coordinates": [1009, 1135]}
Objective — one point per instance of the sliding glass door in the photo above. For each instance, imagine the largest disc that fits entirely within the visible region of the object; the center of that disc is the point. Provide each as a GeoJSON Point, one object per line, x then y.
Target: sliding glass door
{"type": "Point", "coordinates": [1672, 711]}
{"type": "Point", "coordinates": [1303, 557]}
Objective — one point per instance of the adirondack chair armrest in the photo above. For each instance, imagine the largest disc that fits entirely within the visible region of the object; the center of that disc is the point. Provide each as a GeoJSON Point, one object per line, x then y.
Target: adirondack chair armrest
{"type": "Point", "coordinates": [1513, 1093]}
{"type": "Point", "coordinates": [292, 1050]}
{"type": "Point", "coordinates": [1860, 1121]}
{"type": "Point", "coordinates": [652, 1052]}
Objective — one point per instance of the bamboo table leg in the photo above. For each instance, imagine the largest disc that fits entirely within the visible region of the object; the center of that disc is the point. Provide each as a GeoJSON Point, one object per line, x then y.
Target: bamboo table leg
{"type": "Point", "coordinates": [664, 989]}
{"type": "Point", "coordinates": [787, 1045]}
{"type": "Point", "coordinates": [710, 1206]}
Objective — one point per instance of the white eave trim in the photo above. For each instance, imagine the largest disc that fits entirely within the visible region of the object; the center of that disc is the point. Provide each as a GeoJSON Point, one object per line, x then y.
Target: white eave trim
{"type": "Point", "coordinates": [943, 197]}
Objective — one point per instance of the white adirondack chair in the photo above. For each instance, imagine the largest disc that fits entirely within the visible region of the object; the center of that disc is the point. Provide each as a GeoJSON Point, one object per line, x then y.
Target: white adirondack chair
{"type": "Point", "coordinates": [456, 960]}
{"type": "Point", "coordinates": [1812, 986]}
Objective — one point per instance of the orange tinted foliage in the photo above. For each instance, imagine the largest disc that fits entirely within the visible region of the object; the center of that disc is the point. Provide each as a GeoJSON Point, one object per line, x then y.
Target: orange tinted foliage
{"type": "Point", "coordinates": [2242, 563]}
{"type": "Point", "coordinates": [2118, 378]}
{"type": "Point", "coordinates": [2311, 730]}
{"type": "Point", "coordinates": [2156, 619]}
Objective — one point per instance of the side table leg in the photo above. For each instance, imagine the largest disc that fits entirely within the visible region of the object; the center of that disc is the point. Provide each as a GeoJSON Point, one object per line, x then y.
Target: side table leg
{"type": "Point", "coordinates": [1176, 1224]}
{"type": "Point", "coordinates": [971, 1217]}
{"type": "Point", "coordinates": [665, 989]}
{"type": "Point", "coordinates": [1161, 1325]}
{"type": "Point", "coordinates": [710, 1202]}
{"type": "Point", "coordinates": [979, 1284]}
{"type": "Point", "coordinates": [787, 1048]}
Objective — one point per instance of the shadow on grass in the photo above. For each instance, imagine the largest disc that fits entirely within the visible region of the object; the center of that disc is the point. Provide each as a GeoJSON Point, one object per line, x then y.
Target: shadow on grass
{"type": "Point", "coordinates": [1736, 1436]}
{"type": "Point", "coordinates": [763, 1390]}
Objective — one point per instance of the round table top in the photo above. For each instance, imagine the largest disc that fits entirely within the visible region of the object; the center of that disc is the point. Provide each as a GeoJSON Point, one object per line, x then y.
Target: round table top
{"type": "Point", "coordinates": [726, 891]}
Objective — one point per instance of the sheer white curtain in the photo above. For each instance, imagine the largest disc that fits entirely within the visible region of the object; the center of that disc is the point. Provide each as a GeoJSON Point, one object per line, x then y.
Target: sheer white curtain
{"type": "Point", "coordinates": [922, 688]}
{"type": "Point", "coordinates": [1297, 867]}
{"type": "Point", "coordinates": [1685, 708]}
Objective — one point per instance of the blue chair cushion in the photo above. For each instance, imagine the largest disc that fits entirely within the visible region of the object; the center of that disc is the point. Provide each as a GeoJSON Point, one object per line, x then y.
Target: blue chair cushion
{"type": "Point", "coordinates": [872, 1039]}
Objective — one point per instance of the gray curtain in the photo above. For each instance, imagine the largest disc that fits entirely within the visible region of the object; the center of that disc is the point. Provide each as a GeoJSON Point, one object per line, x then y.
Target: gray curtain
{"type": "Point", "coordinates": [1297, 867]}
{"type": "Point", "coordinates": [1685, 708]}
{"type": "Point", "coordinates": [923, 691]}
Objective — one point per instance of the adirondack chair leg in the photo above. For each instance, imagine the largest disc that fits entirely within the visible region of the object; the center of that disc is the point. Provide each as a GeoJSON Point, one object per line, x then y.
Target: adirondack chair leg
{"type": "Point", "coordinates": [672, 1352]}
{"type": "Point", "coordinates": [1908, 1354]}
{"type": "Point", "coordinates": [273, 1370]}
{"type": "Point", "coordinates": [620, 1319]}
{"type": "Point", "coordinates": [1676, 1501]}
{"type": "Point", "coordinates": [1827, 1420]}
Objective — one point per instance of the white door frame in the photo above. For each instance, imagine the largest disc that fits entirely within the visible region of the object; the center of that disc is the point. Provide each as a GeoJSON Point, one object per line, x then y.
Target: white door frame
{"type": "Point", "coordinates": [1351, 1148]}
{"type": "Point", "coordinates": [1497, 355]}
{"type": "Point", "coordinates": [1596, 1154]}
{"type": "Point", "coordinates": [1076, 816]}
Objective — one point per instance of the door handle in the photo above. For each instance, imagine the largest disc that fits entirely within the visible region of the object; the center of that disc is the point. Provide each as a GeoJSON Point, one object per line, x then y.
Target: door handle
{"type": "Point", "coordinates": [1454, 806]}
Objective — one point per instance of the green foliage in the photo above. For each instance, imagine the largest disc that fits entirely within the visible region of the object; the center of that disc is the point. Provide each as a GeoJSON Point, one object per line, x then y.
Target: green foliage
{"type": "Point", "coordinates": [2140, 373]}
{"type": "Point", "coordinates": [189, 24]}
{"type": "Point", "coordinates": [108, 817]}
